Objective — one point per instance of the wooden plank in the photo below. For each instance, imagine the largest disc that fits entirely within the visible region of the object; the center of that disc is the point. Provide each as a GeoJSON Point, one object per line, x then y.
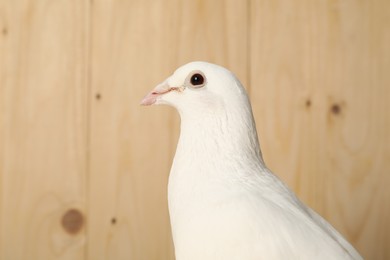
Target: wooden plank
{"type": "Point", "coordinates": [136, 44]}
{"type": "Point", "coordinates": [320, 90]}
{"type": "Point", "coordinates": [43, 109]}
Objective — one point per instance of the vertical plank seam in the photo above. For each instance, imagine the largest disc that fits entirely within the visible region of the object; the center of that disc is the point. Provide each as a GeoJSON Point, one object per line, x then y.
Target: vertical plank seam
{"type": "Point", "coordinates": [248, 47]}
{"type": "Point", "coordinates": [88, 118]}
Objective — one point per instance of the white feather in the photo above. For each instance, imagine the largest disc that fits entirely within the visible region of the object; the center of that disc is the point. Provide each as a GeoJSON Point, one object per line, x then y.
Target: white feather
{"type": "Point", "coordinates": [223, 201]}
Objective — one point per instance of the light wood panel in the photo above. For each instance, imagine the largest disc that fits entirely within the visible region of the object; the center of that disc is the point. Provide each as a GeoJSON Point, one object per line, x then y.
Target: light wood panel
{"type": "Point", "coordinates": [320, 88]}
{"type": "Point", "coordinates": [72, 135]}
{"type": "Point", "coordinates": [42, 129]}
{"type": "Point", "coordinates": [136, 45]}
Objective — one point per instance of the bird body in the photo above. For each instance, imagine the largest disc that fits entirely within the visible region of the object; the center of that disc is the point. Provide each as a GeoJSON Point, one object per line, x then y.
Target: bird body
{"type": "Point", "coordinates": [224, 203]}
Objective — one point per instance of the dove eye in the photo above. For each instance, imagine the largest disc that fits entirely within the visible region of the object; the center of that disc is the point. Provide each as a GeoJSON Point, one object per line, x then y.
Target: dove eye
{"type": "Point", "coordinates": [197, 79]}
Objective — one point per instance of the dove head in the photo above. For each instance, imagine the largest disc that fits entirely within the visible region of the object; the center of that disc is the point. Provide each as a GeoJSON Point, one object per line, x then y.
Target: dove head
{"type": "Point", "coordinates": [215, 113]}
{"type": "Point", "coordinates": [199, 89]}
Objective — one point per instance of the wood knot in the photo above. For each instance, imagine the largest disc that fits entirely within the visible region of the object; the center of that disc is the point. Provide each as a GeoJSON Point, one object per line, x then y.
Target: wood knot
{"type": "Point", "coordinates": [335, 109]}
{"type": "Point", "coordinates": [113, 221]}
{"type": "Point", "coordinates": [4, 31]}
{"type": "Point", "coordinates": [308, 103]}
{"type": "Point", "coordinates": [98, 96]}
{"type": "Point", "coordinates": [72, 221]}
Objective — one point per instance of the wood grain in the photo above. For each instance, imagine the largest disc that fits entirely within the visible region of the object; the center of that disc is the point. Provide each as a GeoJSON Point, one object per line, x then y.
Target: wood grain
{"type": "Point", "coordinates": [136, 45]}
{"type": "Point", "coordinates": [42, 127]}
{"type": "Point", "coordinates": [320, 89]}
{"type": "Point", "coordinates": [84, 168]}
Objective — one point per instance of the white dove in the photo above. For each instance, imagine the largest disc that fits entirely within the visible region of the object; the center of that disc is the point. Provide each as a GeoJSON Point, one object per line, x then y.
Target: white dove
{"type": "Point", "coordinates": [223, 201]}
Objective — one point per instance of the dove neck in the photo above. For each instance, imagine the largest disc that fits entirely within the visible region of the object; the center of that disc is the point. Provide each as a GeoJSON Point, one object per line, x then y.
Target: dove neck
{"type": "Point", "coordinates": [229, 136]}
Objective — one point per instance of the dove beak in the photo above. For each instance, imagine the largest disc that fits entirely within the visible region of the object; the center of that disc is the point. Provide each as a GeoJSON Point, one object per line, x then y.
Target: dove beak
{"type": "Point", "coordinates": [157, 92]}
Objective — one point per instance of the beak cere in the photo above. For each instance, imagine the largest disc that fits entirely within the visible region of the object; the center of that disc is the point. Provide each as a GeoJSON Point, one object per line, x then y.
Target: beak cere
{"type": "Point", "coordinates": [158, 91]}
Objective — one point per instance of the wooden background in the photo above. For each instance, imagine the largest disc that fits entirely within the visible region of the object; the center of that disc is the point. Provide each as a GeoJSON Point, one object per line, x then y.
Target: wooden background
{"type": "Point", "coordinates": [83, 168]}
